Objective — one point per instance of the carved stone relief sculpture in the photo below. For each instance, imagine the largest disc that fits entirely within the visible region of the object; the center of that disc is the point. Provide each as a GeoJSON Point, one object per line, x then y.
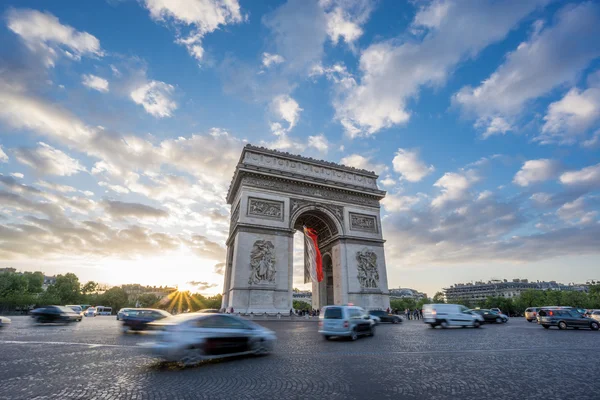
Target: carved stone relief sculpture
{"type": "Point", "coordinates": [361, 222]}
{"type": "Point", "coordinates": [262, 263]}
{"type": "Point", "coordinates": [368, 274]}
{"type": "Point", "coordinates": [265, 208]}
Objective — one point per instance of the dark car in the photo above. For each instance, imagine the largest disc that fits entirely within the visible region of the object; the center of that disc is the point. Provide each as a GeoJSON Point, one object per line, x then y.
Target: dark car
{"type": "Point", "coordinates": [489, 316]}
{"type": "Point", "coordinates": [386, 317]}
{"type": "Point", "coordinates": [566, 318]}
{"type": "Point", "coordinates": [137, 319]}
{"type": "Point", "coordinates": [55, 314]}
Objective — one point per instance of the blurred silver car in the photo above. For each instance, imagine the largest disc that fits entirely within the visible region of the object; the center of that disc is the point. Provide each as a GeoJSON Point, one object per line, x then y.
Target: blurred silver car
{"type": "Point", "coordinates": [195, 337]}
{"type": "Point", "coordinates": [595, 315]}
{"type": "Point", "coordinates": [4, 322]}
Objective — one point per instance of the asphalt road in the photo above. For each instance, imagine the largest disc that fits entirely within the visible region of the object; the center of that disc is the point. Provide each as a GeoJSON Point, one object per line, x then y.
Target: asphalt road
{"type": "Point", "coordinates": [517, 360]}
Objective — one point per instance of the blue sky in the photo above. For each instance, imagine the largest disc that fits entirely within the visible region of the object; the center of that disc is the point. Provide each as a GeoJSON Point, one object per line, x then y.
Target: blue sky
{"type": "Point", "coordinates": [121, 123]}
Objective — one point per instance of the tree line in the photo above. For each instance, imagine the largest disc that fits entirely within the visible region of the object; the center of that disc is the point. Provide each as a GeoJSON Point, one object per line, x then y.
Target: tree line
{"type": "Point", "coordinates": [516, 305]}
{"type": "Point", "coordinates": [23, 291]}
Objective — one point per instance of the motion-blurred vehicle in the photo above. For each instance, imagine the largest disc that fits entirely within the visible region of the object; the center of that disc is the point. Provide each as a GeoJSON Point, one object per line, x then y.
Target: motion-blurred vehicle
{"type": "Point", "coordinates": [55, 314]}
{"type": "Point", "coordinates": [595, 315]}
{"type": "Point", "coordinates": [138, 319]}
{"type": "Point", "coordinates": [566, 318]}
{"type": "Point", "coordinates": [101, 310]}
{"type": "Point", "coordinates": [386, 317]}
{"type": "Point", "coordinates": [497, 310]}
{"type": "Point", "coordinates": [210, 311]}
{"type": "Point", "coordinates": [490, 316]}
{"type": "Point", "coordinates": [91, 312]}
{"type": "Point", "coordinates": [348, 321]}
{"type": "Point", "coordinates": [531, 314]}
{"type": "Point", "coordinates": [4, 322]}
{"type": "Point", "coordinates": [446, 315]}
{"type": "Point", "coordinates": [122, 312]}
{"type": "Point", "coordinates": [194, 337]}
{"type": "Point", "coordinates": [76, 308]}
{"type": "Point", "coordinates": [375, 319]}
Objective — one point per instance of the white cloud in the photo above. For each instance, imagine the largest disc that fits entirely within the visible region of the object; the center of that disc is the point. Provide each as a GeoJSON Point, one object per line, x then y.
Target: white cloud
{"type": "Point", "coordinates": [155, 97]}
{"type": "Point", "coordinates": [345, 17]}
{"type": "Point", "coordinates": [496, 125]}
{"type": "Point", "coordinates": [541, 198]}
{"type": "Point", "coordinates": [319, 142]}
{"type": "Point", "coordinates": [95, 82]}
{"type": "Point", "coordinates": [45, 159]}
{"type": "Point", "coordinates": [362, 162]}
{"type": "Point", "coordinates": [56, 186]}
{"type": "Point", "coordinates": [114, 188]}
{"type": "Point", "coordinates": [3, 156]}
{"type": "Point", "coordinates": [269, 59]}
{"type": "Point", "coordinates": [551, 57]}
{"type": "Point", "coordinates": [287, 109]}
{"type": "Point", "coordinates": [203, 16]}
{"type": "Point", "coordinates": [392, 72]}
{"type": "Point", "coordinates": [588, 176]}
{"type": "Point", "coordinates": [408, 165]}
{"type": "Point", "coordinates": [534, 171]}
{"type": "Point", "coordinates": [592, 142]}
{"type": "Point", "coordinates": [571, 116]}
{"type": "Point", "coordinates": [575, 212]}
{"type": "Point", "coordinates": [454, 186]}
{"type": "Point", "coordinates": [17, 175]}
{"type": "Point", "coordinates": [397, 203]}
{"type": "Point", "coordinates": [387, 181]}
{"type": "Point", "coordinates": [44, 35]}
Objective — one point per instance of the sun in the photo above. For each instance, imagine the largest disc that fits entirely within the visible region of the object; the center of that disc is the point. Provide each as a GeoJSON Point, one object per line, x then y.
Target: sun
{"type": "Point", "coordinates": [187, 287]}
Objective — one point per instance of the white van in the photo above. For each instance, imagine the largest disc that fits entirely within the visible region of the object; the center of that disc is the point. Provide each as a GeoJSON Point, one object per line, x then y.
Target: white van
{"type": "Point", "coordinates": [101, 310]}
{"type": "Point", "coordinates": [446, 315]}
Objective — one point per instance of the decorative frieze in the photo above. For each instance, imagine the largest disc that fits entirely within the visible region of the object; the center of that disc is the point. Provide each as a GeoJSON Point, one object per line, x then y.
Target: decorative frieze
{"type": "Point", "coordinates": [262, 263]}
{"type": "Point", "coordinates": [362, 222]}
{"type": "Point", "coordinates": [290, 187]}
{"type": "Point", "coordinates": [309, 168]}
{"type": "Point", "coordinates": [235, 215]}
{"type": "Point", "coordinates": [265, 208]}
{"type": "Point", "coordinates": [368, 273]}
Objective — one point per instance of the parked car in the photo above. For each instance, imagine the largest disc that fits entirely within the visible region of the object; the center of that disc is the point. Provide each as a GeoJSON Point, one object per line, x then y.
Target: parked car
{"type": "Point", "coordinates": [386, 317]}
{"type": "Point", "coordinates": [122, 312]}
{"type": "Point", "coordinates": [446, 315]}
{"type": "Point", "coordinates": [55, 314]}
{"type": "Point", "coordinates": [193, 337]}
{"type": "Point", "coordinates": [91, 312]}
{"type": "Point", "coordinates": [4, 322]}
{"type": "Point", "coordinates": [346, 321]}
{"type": "Point", "coordinates": [531, 314]}
{"type": "Point", "coordinates": [566, 318]}
{"type": "Point", "coordinates": [137, 319]}
{"type": "Point", "coordinates": [490, 316]}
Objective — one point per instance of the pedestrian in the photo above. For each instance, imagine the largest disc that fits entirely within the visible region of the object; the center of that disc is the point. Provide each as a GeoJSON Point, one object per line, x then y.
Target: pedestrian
{"type": "Point", "coordinates": [388, 310]}
{"type": "Point", "coordinates": [291, 311]}
{"type": "Point", "coordinates": [407, 312]}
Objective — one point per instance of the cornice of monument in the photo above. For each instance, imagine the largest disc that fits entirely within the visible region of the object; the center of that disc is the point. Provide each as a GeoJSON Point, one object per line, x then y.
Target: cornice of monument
{"type": "Point", "coordinates": [273, 164]}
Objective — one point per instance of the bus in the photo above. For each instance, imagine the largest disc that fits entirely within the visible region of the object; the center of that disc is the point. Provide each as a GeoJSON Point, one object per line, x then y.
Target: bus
{"type": "Point", "coordinates": [101, 310]}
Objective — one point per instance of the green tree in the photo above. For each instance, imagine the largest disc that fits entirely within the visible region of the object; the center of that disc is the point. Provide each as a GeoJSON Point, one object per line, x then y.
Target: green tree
{"type": "Point", "coordinates": [301, 305]}
{"type": "Point", "coordinates": [66, 289]}
{"type": "Point", "coordinates": [438, 298]}
{"type": "Point", "coordinates": [114, 297]}
{"type": "Point", "coordinates": [35, 280]}
{"type": "Point", "coordinates": [150, 300]}
{"type": "Point", "coordinates": [89, 288]}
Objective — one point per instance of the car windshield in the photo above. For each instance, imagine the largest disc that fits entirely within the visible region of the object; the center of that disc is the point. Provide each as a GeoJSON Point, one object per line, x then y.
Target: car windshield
{"type": "Point", "coordinates": [64, 309]}
{"type": "Point", "coordinates": [333, 313]}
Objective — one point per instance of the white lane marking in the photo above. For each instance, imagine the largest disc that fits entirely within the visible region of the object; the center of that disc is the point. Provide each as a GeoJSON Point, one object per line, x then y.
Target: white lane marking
{"type": "Point", "coordinates": [90, 345]}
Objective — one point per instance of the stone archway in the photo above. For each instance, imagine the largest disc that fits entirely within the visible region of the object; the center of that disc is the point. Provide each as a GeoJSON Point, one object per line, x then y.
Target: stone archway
{"type": "Point", "coordinates": [272, 195]}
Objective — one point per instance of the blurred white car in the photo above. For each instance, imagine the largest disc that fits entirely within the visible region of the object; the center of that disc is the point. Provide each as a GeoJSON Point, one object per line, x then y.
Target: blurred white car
{"type": "Point", "coordinates": [4, 322]}
{"type": "Point", "coordinates": [195, 337]}
{"type": "Point", "coordinates": [91, 312]}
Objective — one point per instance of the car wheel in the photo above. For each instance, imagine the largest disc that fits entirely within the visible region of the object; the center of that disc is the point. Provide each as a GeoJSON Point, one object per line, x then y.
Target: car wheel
{"type": "Point", "coordinates": [498, 320]}
{"type": "Point", "coordinates": [546, 326]}
{"type": "Point", "coordinates": [444, 324]}
{"type": "Point", "coordinates": [372, 331]}
{"type": "Point", "coordinates": [124, 329]}
{"type": "Point", "coordinates": [327, 337]}
{"type": "Point", "coordinates": [353, 335]}
{"type": "Point", "coordinates": [476, 324]}
{"type": "Point", "coordinates": [394, 321]}
{"type": "Point", "coordinates": [594, 326]}
{"type": "Point", "coordinates": [529, 320]}
{"type": "Point", "coordinates": [562, 325]}
{"type": "Point", "coordinates": [432, 326]}
{"type": "Point", "coordinates": [259, 347]}
{"type": "Point", "coordinates": [192, 356]}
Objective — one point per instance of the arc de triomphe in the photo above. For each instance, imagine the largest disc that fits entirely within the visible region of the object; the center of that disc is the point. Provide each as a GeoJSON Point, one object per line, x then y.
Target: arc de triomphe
{"type": "Point", "coordinates": [272, 195]}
